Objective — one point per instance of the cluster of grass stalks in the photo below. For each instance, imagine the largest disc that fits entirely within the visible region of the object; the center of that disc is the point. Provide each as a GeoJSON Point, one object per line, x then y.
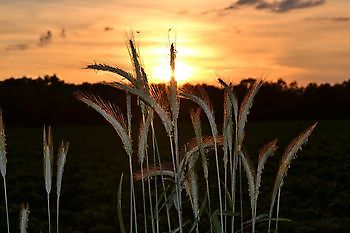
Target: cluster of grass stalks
{"type": "Point", "coordinates": [171, 183]}
{"type": "Point", "coordinates": [163, 178]}
{"type": "Point", "coordinates": [48, 169]}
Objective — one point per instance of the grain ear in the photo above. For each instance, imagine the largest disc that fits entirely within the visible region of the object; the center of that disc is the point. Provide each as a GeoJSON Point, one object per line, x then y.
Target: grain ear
{"type": "Point", "coordinates": [62, 156]}
{"type": "Point", "coordinates": [112, 69]}
{"type": "Point", "coordinates": [163, 115]}
{"type": "Point", "coordinates": [3, 158]}
{"type": "Point", "coordinates": [267, 151]}
{"type": "Point", "coordinates": [23, 218]}
{"type": "Point", "coordinates": [112, 114]}
{"type": "Point", "coordinates": [143, 135]}
{"type": "Point", "coordinates": [48, 158]}
{"type": "Point", "coordinates": [245, 108]}
{"type": "Point", "coordinates": [289, 154]}
{"type": "Point", "coordinates": [200, 97]}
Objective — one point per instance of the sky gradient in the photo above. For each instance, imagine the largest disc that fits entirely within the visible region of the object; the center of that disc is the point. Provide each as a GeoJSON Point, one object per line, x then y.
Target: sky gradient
{"type": "Point", "coordinates": [297, 40]}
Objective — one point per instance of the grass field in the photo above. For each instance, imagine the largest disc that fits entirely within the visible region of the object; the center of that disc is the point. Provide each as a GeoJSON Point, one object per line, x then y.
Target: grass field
{"type": "Point", "coordinates": [316, 194]}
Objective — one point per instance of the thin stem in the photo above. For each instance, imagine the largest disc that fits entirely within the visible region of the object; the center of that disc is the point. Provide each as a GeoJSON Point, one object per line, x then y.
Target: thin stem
{"type": "Point", "coordinates": [219, 185]}
{"type": "Point", "coordinates": [150, 193]}
{"type": "Point", "coordinates": [132, 199]}
{"type": "Point", "coordinates": [177, 185]}
{"type": "Point", "coordinates": [161, 176]}
{"type": "Point", "coordinates": [176, 140]}
{"type": "Point", "coordinates": [240, 192]}
{"type": "Point", "coordinates": [225, 200]}
{"type": "Point", "coordinates": [7, 211]}
{"type": "Point", "coordinates": [143, 199]}
{"type": "Point", "coordinates": [135, 213]}
{"type": "Point", "coordinates": [278, 208]}
{"type": "Point", "coordinates": [57, 211]}
{"type": "Point", "coordinates": [48, 211]}
{"type": "Point", "coordinates": [155, 181]}
{"type": "Point", "coordinates": [233, 188]}
{"type": "Point", "coordinates": [209, 206]}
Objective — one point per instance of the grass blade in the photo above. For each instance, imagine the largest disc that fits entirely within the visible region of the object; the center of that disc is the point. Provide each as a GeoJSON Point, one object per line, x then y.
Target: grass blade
{"type": "Point", "coordinates": [119, 207]}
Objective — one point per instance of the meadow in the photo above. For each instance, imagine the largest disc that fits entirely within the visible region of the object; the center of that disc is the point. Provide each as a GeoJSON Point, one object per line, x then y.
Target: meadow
{"type": "Point", "coordinates": [316, 193]}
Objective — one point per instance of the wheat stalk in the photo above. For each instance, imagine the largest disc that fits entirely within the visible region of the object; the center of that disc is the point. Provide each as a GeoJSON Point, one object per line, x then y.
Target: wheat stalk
{"type": "Point", "coordinates": [48, 167]}
{"type": "Point", "coordinates": [254, 177]}
{"type": "Point", "coordinates": [3, 163]}
{"type": "Point", "coordinates": [112, 114]}
{"type": "Point", "coordinates": [200, 97]}
{"type": "Point", "coordinates": [232, 99]}
{"type": "Point", "coordinates": [116, 70]}
{"type": "Point", "coordinates": [142, 151]}
{"type": "Point", "coordinates": [196, 122]}
{"type": "Point", "coordinates": [156, 152]}
{"type": "Point", "coordinates": [244, 110]}
{"type": "Point", "coordinates": [163, 115]}
{"type": "Point", "coordinates": [3, 158]}
{"type": "Point", "coordinates": [24, 216]}
{"type": "Point", "coordinates": [289, 154]}
{"type": "Point", "coordinates": [62, 155]}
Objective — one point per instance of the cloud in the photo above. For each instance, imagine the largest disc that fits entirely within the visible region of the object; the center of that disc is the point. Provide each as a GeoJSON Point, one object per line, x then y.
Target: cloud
{"type": "Point", "coordinates": [17, 47]}
{"type": "Point", "coordinates": [108, 28]}
{"type": "Point", "coordinates": [45, 38]}
{"type": "Point", "coordinates": [276, 6]}
{"type": "Point", "coordinates": [339, 19]}
{"type": "Point", "coordinates": [63, 33]}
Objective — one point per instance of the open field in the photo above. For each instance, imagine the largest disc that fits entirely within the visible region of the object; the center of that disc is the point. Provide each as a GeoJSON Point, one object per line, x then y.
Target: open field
{"type": "Point", "coordinates": [316, 193]}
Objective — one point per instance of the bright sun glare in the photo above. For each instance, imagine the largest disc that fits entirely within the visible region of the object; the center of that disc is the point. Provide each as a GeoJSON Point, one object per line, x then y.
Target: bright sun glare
{"type": "Point", "coordinates": [183, 72]}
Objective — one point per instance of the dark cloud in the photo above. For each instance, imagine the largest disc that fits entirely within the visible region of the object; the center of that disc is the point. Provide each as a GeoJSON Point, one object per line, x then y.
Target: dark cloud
{"type": "Point", "coordinates": [45, 38]}
{"type": "Point", "coordinates": [15, 47]}
{"type": "Point", "coordinates": [239, 3]}
{"type": "Point", "coordinates": [333, 19]}
{"type": "Point", "coordinates": [276, 6]}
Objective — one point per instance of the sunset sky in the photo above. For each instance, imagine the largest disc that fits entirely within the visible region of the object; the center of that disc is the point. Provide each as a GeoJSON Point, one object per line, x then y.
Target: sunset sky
{"type": "Point", "coordinates": [297, 40]}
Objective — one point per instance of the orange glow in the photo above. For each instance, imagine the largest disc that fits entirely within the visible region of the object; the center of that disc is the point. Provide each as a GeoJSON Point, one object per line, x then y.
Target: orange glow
{"type": "Point", "coordinates": [162, 73]}
{"type": "Point", "coordinates": [234, 44]}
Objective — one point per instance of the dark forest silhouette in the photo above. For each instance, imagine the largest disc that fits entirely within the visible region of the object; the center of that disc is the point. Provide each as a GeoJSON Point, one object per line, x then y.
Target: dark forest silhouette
{"type": "Point", "coordinates": [27, 101]}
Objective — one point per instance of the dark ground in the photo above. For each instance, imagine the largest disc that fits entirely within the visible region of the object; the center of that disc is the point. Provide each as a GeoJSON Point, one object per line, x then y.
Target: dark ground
{"type": "Point", "coordinates": [316, 193]}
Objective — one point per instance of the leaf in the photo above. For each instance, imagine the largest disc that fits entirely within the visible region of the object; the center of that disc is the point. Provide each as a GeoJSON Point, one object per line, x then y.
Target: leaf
{"type": "Point", "coordinates": [119, 208]}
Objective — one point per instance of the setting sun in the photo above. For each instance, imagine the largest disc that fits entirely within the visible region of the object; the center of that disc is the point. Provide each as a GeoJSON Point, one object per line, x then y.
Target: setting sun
{"type": "Point", "coordinates": [161, 73]}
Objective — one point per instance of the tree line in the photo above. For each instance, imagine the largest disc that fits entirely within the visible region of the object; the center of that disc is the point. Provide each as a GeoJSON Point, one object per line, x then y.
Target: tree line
{"type": "Point", "coordinates": [27, 101]}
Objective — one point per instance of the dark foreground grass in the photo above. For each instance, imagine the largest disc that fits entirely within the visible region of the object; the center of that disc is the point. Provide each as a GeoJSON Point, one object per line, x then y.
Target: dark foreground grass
{"type": "Point", "coordinates": [316, 194]}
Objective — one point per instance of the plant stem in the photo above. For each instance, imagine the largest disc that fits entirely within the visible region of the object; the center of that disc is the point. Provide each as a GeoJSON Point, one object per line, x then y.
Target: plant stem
{"type": "Point", "coordinates": [219, 185]}
{"type": "Point", "coordinates": [225, 200]}
{"type": "Point", "coordinates": [161, 176]}
{"type": "Point", "coordinates": [155, 181]}
{"type": "Point", "coordinates": [57, 211]}
{"type": "Point", "coordinates": [150, 193]}
{"type": "Point", "coordinates": [176, 140]}
{"type": "Point", "coordinates": [233, 188]}
{"type": "Point", "coordinates": [278, 208]}
{"type": "Point", "coordinates": [143, 199]}
{"type": "Point", "coordinates": [132, 199]}
{"type": "Point", "coordinates": [240, 192]}
{"type": "Point", "coordinates": [7, 211]}
{"type": "Point", "coordinates": [177, 185]}
{"type": "Point", "coordinates": [48, 211]}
